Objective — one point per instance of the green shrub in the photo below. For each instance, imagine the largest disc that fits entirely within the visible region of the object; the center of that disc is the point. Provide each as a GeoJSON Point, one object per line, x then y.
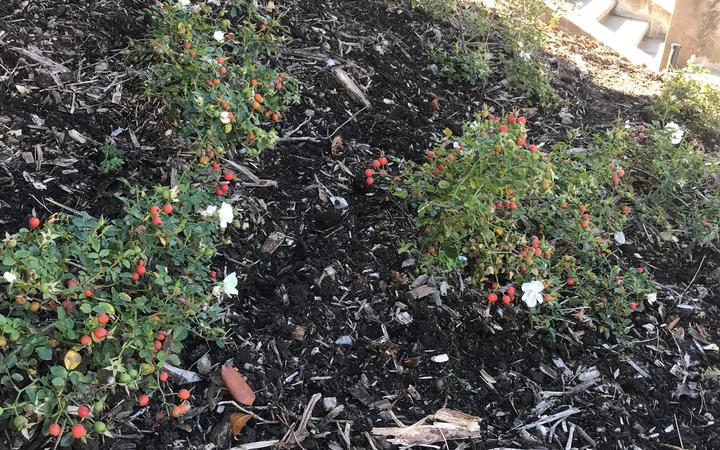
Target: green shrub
{"type": "Point", "coordinates": [112, 158]}
{"type": "Point", "coordinates": [214, 78]}
{"type": "Point", "coordinates": [687, 99]}
{"type": "Point", "coordinates": [519, 30]}
{"type": "Point", "coordinates": [461, 66]}
{"type": "Point", "coordinates": [138, 279]}
{"type": "Point", "coordinates": [678, 186]}
{"type": "Point", "coordinates": [518, 215]}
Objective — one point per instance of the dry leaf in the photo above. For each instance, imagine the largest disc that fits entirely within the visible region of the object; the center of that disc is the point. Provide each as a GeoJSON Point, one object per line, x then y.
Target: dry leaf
{"type": "Point", "coordinates": [435, 104]}
{"type": "Point", "coordinates": [238, 387]}
{"type": "Point", "coordinates": [237, 422]}
{"type": "Point", "coordinates": [336, 145]}
{"type": "Point", "coordinates": [72, 360]}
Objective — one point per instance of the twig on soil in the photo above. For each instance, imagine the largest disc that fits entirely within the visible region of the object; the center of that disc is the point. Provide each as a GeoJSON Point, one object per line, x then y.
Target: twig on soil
{"type": "Point", "coordinates": [250, 413]}
{"type": "Point", "coordinates": [675, 417]}
{"type": "Point", "coordinates": [293, 131]}
{"type": "Point", "coordinates": [692, 281]}
{"type": "Point", "coordinates": [591, 442]}
{"type": "Point", "coordinates": [346, 122]}
{"type": "Point", "coordinates": [300, 432]}
{"type": "Point", "coordinates": [65, 207]}
{"type": "Point", "coordinates": [561, 415]}
{"type": "Point", "coordinates": [255, 445]}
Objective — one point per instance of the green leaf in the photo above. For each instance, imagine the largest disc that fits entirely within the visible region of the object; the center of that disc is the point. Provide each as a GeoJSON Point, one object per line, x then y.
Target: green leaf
{"type": "Point", "coordinates": [58, 381]}
{"type": "Point", "coordinates": [180, 333]}
{"type": "Point", "coordinates": [44, 353]}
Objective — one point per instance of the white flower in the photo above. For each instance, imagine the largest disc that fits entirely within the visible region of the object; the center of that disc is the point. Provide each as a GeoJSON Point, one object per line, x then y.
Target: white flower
{"type": "Point", "coordinates": [228, 286]}
{"type": "Point", "coordinates": [225, 117]}
{"type": "Point", "coordinates": [209, 211]}
{"type": "Point", "coordinates": [226, 215]}
{"type": "Point", "coordinates": [219, 36]}
{"type": "Point", "coordinates": [184, 3]}
{"type": "Point", "coordinates": [532, 293]}
{"type": "Point", "coordinates": [677, 132]}
{"type": "Point", "coordinates": [9, 277]}
{"type": "Point", "coordinates": [524, 55]}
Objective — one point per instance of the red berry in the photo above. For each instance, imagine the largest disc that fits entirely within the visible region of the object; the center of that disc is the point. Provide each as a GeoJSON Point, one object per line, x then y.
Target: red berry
{"type": "Point", "coordinates": [68, 305]}
{"type": "Point", "coordinates": [429, 154]}
{"type": "Point", "coordinates": [512, 205]}
{"type": "Point", "coordinates": [143, 400]}
{"type": "Point", "coordinates": [616, 181]}
{"type": "Point", "coordinates": [83, 411]}
{"type": "Point", "coordinates": [215, 165]}
{"type": "Point", "coordinates": [154, 210]}
{"type": "Point", "coordinates": [506, 299]}
{"type": "Point", "coordinates": [85, 340]}
{"type": "Point", "coordinates": [34, 222]}
{"type": "Point", "coordinates": [370, 181]}
{"type": "Point", "coordinates": [140, 270]}
{"type": "Point", "coordinates": [219, 192]}
{"type": "Point", "coordinates": [533, 148]}
{"type": "Point", "coordinates": [639, 270]}
{"type": "Point", "coordinates": [228, 176]}
{"type": "Point", "coordinates": [494, 285]}
{"type": "Point", "coordinates": [157, 345]}
{"type": "Point", "coordinates": [522, 120]}
{"type": "Point", "coordinates": [103, 318]}
{"type": "Point", "coordinates": [564, 205]}
{"type": "Point", "coordinates": [225, 187]}
{"type": "Point", "coordinates": [160, 336]}
{"type": "Point", "coordinates": [376, 164]}
{"type": "Point", "coordinates": [221, 60]}
{"type": "Point", "coordinates": [431, 250]}
{"type": "Point", "coordinates": [369, 172]}
{"type": "Point", "coordinates": [503, 128]}
{"type": "Point", "coordinates": [586, 216]}
{"type": "Point", "coordinates": [54, 429]}
{"type": "Point", "coordinates": [510, 291]}
{"type": "Point", "coordinates": [520, 142]}
{"type": "Point", "coordinates": [163, 376]}
{"type": "Point", "coordinates": [511, 119]}
{"type": "Point", "coordinates": [70, 282]}
{"type": "Point", "coordinates": [383, 161]}
{"type": "Point", "coordinates": [168, 209]}
{"type": "Point", "coordinates": [213, 275]}
{"type": "Point", "coordinates": [491, 297]}
{"type": "Point", "coordinates": [157, 220]}
{"type": "Point", "coordinates": [582, 208]}
{"type": "Point", "coordinates": [612, 165]}
{"type": "Point", "coordinates": [100, 333]}
{"type": "Point", "coordinates": [184, 394]}
{"type": "Point", "coordinates": [88, 293]}
{"type": "Point", "coordinates": [633, 306]}
{"type": "Point", "coordinates": [570, 281]}
{"type": "Point", "coordinates": [134, 277]}
{"type": "Point", "coordinates": [78, 431]}
{"type": "Point", "coordinates": [141, 262]}
{"type": "Point", "coordinates": [584, 224]}
{"type": "Point", "coordinates": [620, 173]}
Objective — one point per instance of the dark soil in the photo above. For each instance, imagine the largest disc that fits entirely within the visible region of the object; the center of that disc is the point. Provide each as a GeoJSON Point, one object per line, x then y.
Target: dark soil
{"type": "Point", "coordinates": [338, 271]}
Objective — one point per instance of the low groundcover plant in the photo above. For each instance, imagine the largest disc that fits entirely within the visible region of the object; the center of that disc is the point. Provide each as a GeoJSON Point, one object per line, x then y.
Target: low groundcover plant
{"type": "Point", "coordinates": [536, 223]}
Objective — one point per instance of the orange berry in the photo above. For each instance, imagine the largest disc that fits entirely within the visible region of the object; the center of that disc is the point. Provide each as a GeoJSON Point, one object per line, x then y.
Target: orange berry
{"type": "Point", "coordinates": [184, 394]}
{"type": "Point", "coordinates": [78, 431]}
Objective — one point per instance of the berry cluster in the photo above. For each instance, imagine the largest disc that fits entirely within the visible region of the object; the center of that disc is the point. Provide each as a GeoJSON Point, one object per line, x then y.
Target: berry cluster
{"type": "Point", "coordinates": [376, 164]}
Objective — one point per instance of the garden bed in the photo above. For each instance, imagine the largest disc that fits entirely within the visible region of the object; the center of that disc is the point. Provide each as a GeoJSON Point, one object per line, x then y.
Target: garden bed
{"type": "Point", "coordinates": [336, 272]}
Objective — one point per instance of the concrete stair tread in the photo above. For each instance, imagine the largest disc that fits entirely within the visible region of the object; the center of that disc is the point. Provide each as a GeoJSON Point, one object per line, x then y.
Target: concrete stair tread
{"type": "Point", "coordinates": [597, 9]}
{"type": "Point", "coordinates": [632, 31]}
{"type": "Point", "coordinates": [653, 47]}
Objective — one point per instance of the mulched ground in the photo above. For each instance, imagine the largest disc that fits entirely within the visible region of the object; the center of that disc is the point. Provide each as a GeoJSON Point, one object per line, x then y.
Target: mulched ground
{"type": "Point", "coordinates": [337, 273]}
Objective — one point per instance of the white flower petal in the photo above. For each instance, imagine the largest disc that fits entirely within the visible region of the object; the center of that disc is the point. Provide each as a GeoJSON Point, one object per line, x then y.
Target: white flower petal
{"type": "Point", "coordinates": [532, 293]}
{"type": "Point", "coordinates": [219, 36]}
{"type": "Point", "coordinates": [9, 277]}
{"type": "Point", "coordinates": [229, 284]}
{"type": "Point", "coordinates": [226, 215]}
{"type": "Point", "coordinates": [209, 211]}
{"type": "Point", "coordinates": [225, 117]}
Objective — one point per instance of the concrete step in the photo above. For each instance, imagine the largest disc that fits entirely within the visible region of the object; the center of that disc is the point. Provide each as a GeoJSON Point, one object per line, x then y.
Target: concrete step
{"type": "Point", "coordinates": [597, 9]}
{"type": "Point", "coordinates": [667, 5]}
{"type": "Point", "coordinates": [630, 31]}
{"type": "Point", "coordinates": [653, 47]}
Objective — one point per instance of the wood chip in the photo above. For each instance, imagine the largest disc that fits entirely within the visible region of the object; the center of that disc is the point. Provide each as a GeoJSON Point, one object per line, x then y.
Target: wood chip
{"type": "Point", "coordinates": [421, 291]}
{"type": "Point", "coordinates": [351, 86]}
{"type": "Point", "coordinates": [272, 242]}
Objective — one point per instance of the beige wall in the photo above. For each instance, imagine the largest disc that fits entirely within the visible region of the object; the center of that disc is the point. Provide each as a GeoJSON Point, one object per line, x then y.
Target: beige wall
{"type": "Point", "coordinates": [695, 25]}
